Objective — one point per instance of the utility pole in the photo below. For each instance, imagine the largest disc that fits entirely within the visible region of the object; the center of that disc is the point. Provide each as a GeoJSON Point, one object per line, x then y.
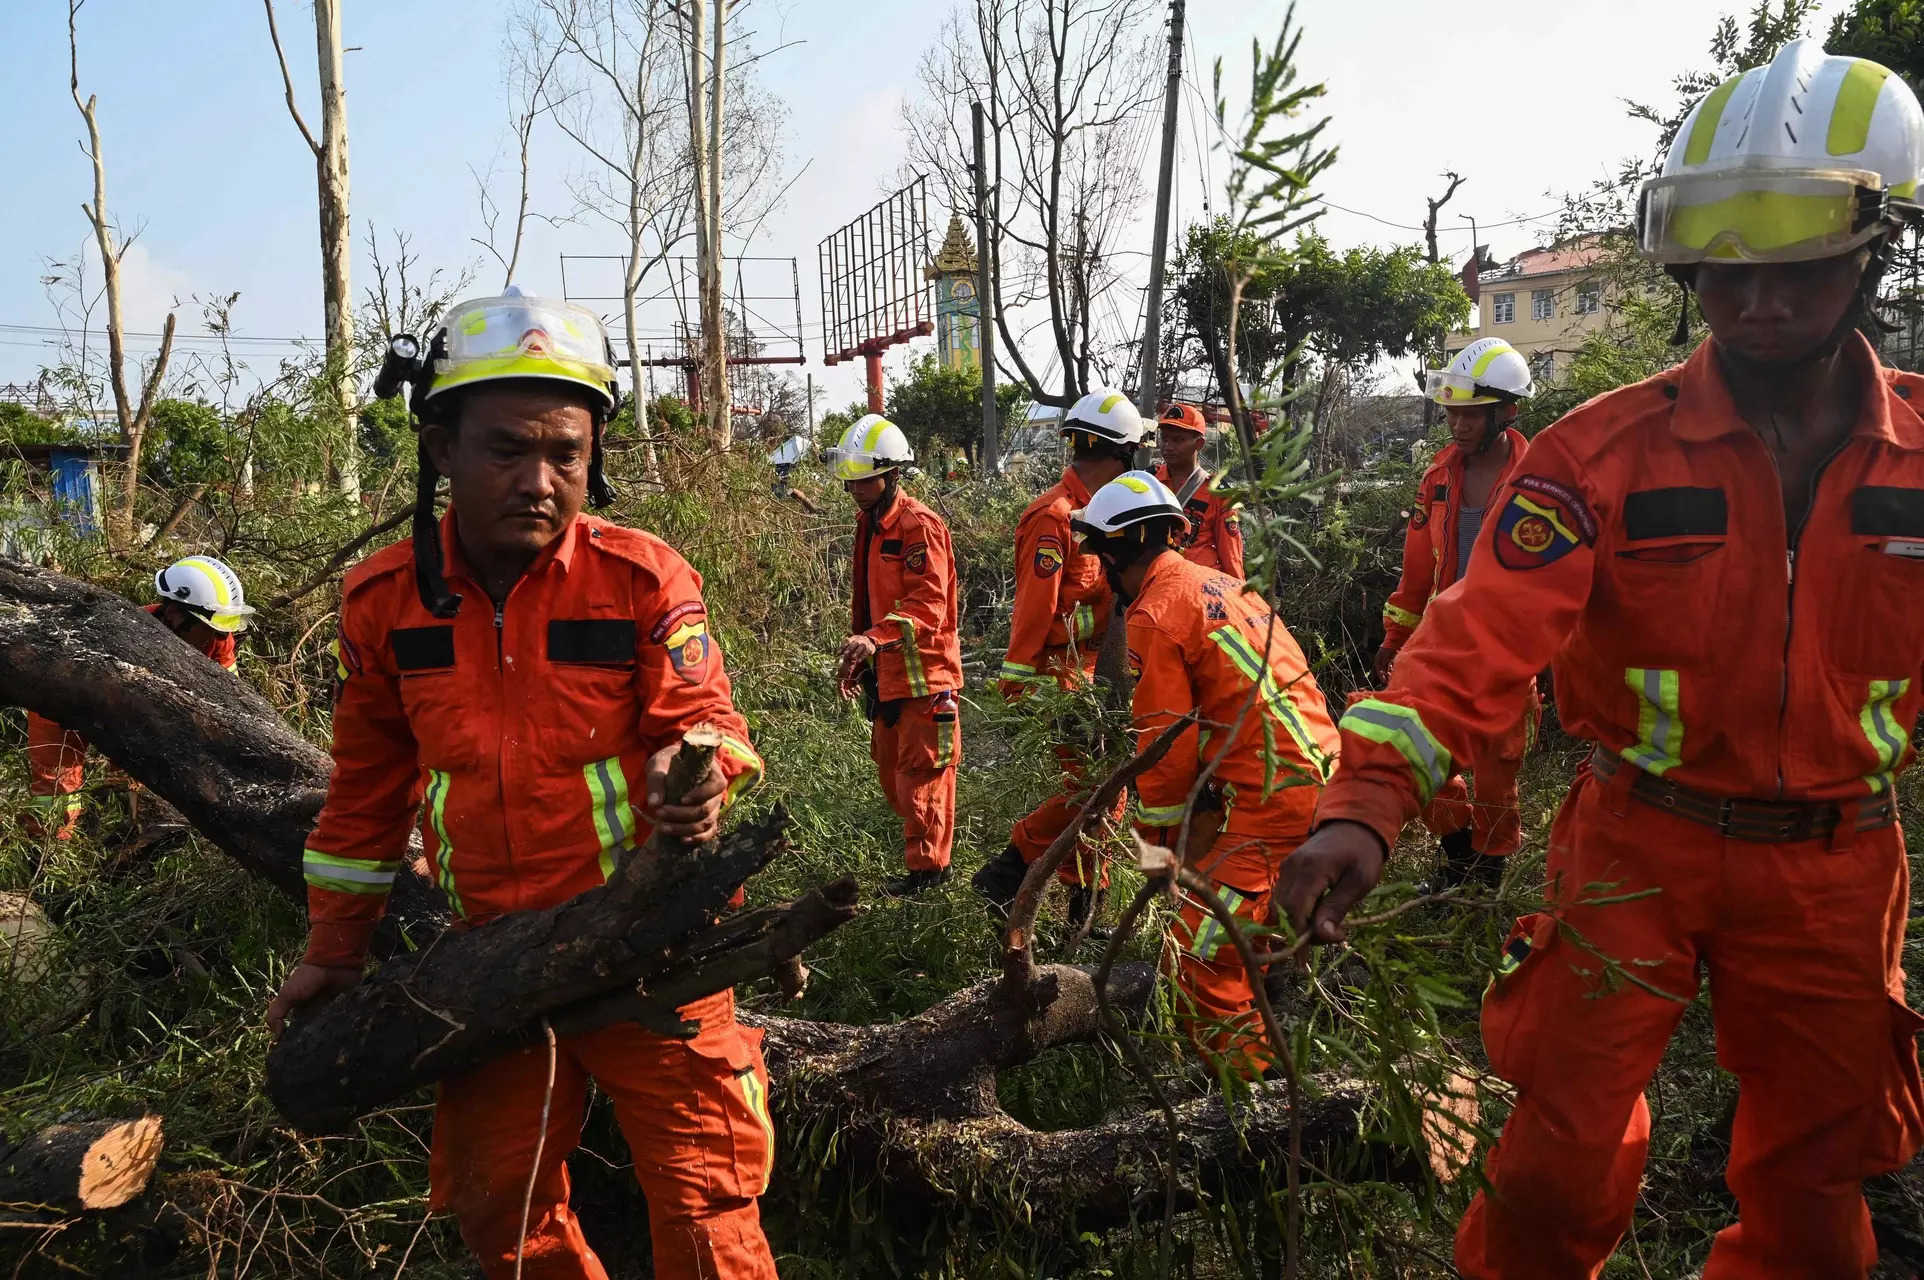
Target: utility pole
{"type": "Point", "coordinates": [811, 410]}
{"type": "Point", "coordinates": [1165, 181]}
{"type": "Point", "coordinates": [985, 299]}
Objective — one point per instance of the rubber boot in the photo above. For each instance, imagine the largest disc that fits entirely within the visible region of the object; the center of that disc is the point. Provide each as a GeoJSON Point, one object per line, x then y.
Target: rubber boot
{"type": "Point", "coordinates": [1082, 905]}
{"type": "Point", "coordinates": [915, 882]}
{"type": "Point", "coordinates": [1464, 866]}
{"type": "Point", "coordinates": [1000, 879]}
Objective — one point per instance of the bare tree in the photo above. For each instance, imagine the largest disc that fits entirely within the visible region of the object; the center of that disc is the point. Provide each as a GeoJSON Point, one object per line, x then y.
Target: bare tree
{"type": "Point", "coordinates": [531, 53]}
{"type": "Point", "coordinates": [337, 228]}
{"type": "Point", "coordinates": [620, 92]}
{"type": "Point", "coordinates": [706, 98]}
{"type": "Point", "coordinates": [133, 415]}
{"type": "Point", "coordinates": [1069, 88]}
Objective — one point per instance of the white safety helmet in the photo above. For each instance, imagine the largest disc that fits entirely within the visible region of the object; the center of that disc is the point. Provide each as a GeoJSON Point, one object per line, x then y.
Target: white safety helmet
{"type": "Point", "coordinates": [206, 588]}
{"type": "Point", "coordinates": [871, 446]}
{"type": "Point", "coordinates": [1106, 415]}
{"type": "Point", "coordinates": [1488, 371]}
{"type": "Point", "coordinates": [1809, 157]}
{"type": "Point", "coordinates": [1130, 499]}
{"type": "Point", "coordinates": [514, 337]}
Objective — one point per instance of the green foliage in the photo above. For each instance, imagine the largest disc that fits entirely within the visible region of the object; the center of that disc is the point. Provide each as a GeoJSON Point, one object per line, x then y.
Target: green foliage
{"type": "Point", "coordinates": [940, 409]}
{"type": "Point", "coordinates": [188, 444]}
{"type": "Point", "coordinates": [1890, 32]}
{"type": "Point", "coordinates": [20, 425]}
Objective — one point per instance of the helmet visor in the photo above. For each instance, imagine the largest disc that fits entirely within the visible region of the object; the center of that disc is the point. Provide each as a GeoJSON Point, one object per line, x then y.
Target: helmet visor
{"type": "Point", "coordinates": [1757, 215]}
{"type": "Point", "coordinates": [1449, 388]}
{"type": "Point", "coordinates": [495, 338]}
{"type": "Point", "coordinates": [858, 464]}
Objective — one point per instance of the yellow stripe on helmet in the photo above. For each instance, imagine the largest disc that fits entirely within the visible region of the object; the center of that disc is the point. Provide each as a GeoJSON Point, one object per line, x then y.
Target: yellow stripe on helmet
{"type": "Point", "coordinates": [1110, 402]}
{"type": "Point", "coordinates": [1850, 116]}
{"type": "Point", "coordinates": [1704, 131]}
{"type": "Point", "coordinates": [216, 580]}
{"type": "Point", "coordinates": [1484, 361]}
{"type": "Point", "coordinates": [873, 440]}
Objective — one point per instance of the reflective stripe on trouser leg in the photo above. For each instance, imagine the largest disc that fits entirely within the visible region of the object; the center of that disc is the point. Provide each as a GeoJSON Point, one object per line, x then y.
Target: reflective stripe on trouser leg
{"type": "Point", "coordinates": [608, 803]}
{"type": "Point", "coordinates": [1215, 1004]}
{"type": "Point", "coordinates": [1882, 730]}
{"type": "Point", "coordinates": [1660, 729]}
{"type": "Point", "coordinates": [1402, 728]}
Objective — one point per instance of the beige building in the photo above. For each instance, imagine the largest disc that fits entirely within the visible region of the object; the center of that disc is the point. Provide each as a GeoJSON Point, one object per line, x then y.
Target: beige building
{"type": "Point", "coordinates": [1543, 302]}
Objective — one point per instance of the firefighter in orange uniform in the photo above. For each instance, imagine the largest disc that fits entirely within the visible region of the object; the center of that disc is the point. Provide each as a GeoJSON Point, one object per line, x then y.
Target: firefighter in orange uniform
{"type": "Point", "coordinates": [1480, 392]}
{"type": "Point", "coordinates": [1199, 642]}
{"type": "Point", "coordinates": [904, 655]}
{"type": "Point", "coordinates": [202, 603]}
{"type": "Point", "coordinates": [1062, 607]}
{"type": "Point", "coordinates": [519, 676]}
{"type": "Point", "coordinates": [1724, 563]}
{"type": "Point", "coordinates": [1214, 539]}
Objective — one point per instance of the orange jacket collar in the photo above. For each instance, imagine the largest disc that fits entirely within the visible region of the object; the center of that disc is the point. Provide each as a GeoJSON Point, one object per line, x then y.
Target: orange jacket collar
{"type": "Point", "coordinates": [889, 519]}
{"type": "Point", "coordinates": [1706, 411]}
{"type": "Point", "coordinates": [561, 551]}
{"type": "Point", "coordinates": [1157, 567]}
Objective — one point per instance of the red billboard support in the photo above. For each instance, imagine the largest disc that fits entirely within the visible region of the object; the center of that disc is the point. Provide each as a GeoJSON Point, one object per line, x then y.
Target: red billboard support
{"type": "Point", "coordinates": [874, 294]}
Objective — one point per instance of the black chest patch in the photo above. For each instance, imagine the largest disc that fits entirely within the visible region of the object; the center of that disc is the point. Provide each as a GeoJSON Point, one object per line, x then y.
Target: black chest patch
{"type": "Point", "coordinates": [606, 642]}
{"type": "Point", "coordinates": [1675, 513]}
{"type": "Point", "coordinates": [421, 648]}
{"type": "Point", "coordinates": [1886, 511]}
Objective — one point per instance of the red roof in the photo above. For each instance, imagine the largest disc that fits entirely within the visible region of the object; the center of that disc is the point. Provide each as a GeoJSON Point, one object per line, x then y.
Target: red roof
{"type": "Point", "coordinates": [1543, 262]}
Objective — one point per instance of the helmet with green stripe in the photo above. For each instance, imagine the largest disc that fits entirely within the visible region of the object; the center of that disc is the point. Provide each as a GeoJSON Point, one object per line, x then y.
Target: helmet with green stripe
{"type": "Point", "coordinates": [1811, 156]}
{"type": "Point", "coordinates": [871, 446]}
{"type": "Point", "coordinates": [516, 337]}
{"type": "Point", "coordinates": [1106, 415]}
{"type": "Point", "coordinates": [206, 588]}
{"type": "Point", "coordinates": [1132, 498]}
{"type": "Point", "coordinates": [1488, 371]}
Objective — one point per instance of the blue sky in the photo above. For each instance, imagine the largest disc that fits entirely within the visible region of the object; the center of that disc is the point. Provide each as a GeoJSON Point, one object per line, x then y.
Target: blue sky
{"type": "Point", "coordinates": [203, 157]}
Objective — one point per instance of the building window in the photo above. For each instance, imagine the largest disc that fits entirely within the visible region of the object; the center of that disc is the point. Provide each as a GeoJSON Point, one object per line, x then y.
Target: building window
{"type": "Point", "coordinates": [1543, 304]}
{"type": "Point", "coordinates": [1589, 298]}
{"type": "Point", "coordinates": [1543, 367]}
{"type": "Point", "coordinates": [1503, 308]}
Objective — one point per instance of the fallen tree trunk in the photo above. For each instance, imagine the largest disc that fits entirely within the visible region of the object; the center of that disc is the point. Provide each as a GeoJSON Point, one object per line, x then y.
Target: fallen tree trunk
{"type": "Point", "coordinates": [918, 1097]}
{"type": "Point", "coordinates": [86, 1166]}
{"type": "Point", "coordinates": [192, 733]}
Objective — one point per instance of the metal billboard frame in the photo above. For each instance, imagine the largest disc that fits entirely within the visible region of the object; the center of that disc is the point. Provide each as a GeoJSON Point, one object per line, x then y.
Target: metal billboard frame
{"type": "Point", "coordinates": [874, 294]}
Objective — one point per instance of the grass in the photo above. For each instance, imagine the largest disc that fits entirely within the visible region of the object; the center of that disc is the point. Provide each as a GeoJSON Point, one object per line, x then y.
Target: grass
{"type": "Point", "coordinates": [179, 956]}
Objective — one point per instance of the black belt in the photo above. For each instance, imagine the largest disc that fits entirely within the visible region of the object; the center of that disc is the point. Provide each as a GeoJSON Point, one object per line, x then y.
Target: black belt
{"type": "Point", "coordinates": [1757, 821]}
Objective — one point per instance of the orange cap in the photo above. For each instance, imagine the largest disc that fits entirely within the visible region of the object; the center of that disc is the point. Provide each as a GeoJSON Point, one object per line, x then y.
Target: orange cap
{"type": "Point", "coordinates": [1186, 417]}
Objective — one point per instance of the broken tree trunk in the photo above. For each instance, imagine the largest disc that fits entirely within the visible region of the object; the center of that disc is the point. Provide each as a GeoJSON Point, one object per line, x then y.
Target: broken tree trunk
{"type": "Point", "coordinates": [915, 1103]}
{"type": "Point", "coordinates": [918, 1097]}
{"type": "Point", "coordinates": [90, 1165]}
{"type": "Point", "coordinates": [193, 734]}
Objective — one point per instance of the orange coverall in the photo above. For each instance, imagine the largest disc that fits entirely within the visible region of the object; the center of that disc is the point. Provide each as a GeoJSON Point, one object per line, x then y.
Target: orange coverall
{"type": "Point", "coordinates": [1700, 643]}
{"type": "Point", "coordinates": [905, 601]}
{"type": "Point", "coordinates": [1429, 565]}
{"type": "Point", "coordinates": [1199, 642]}
{"type": "Point", "coordinates": [57, 759]}
{"type": "Point", "coordinates": [519, 735]}
{"type": "Point", "coordinates": [1215, 536]}
{"type": "Point", "coordinates": [1062, 607]}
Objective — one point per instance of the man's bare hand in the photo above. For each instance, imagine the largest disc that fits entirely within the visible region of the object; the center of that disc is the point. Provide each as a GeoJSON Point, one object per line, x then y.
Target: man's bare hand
{"type": "Point", "coordinates": [308, 984]}
{"type": "Point", "coordinates": [697, 819]}
{"type": "Point", "coordinates": [1326, 876]}
{"type": "Point", "coordinates": [1380, 668]}
{"type": "Point", "coordinates": [855, 654]}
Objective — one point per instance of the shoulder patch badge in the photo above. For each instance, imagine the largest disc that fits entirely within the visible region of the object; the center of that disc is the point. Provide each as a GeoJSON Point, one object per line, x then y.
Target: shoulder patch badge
{"type": "Point", "coordinates": [660, 631]}
{"type": "Point", "coordinates": [1419, 517]}
{"type": "Point", "coordinates": [916, 558]}
{"type": "Point", "coordinates": [689, 647]}
{"type": "Point", "coordinates": [1048, 556]}
{"type": "Point", "coordinates": [1541, 523]}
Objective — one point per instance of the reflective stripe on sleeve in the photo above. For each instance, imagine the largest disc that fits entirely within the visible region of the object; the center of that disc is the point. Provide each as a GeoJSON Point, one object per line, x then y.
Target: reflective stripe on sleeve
{"type": "Point", "coordinates": [1161, 815]}
{"type": "Point", "coordinates": [745, 781]}
{"type": "Point", "coordinates": [1017, 670]}
{"type": "Point", "coordinates": [911, 657]}
{"type": "Point", "coordinates": [348, 875]}
{"type": "Point", "coordinates": [1400, 727]}
{"type": "Point", "coordinates": [1400, 616]}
